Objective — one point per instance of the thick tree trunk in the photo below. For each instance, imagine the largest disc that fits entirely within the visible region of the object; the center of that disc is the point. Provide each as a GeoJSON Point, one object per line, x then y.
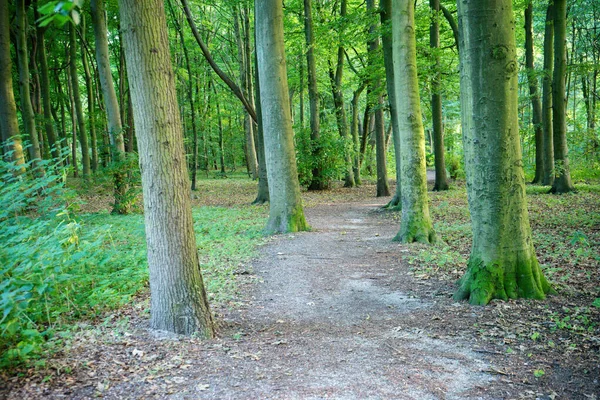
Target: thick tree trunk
{"type": "Point", "coordinates": [416, 225]}
{"type": "Point", "coordinates": [262, 195]}
{"type": "Point", "coordinates": [548, 141]}
{"type": "Point", "coordinates": [285, 213]}
{"type": "Point", "coordinates": [27, 113]}
{"type": "Point", "coordinates": [503, 263]}
{"type": "Point", "coordinates": [9, 125]}
{"type": "Point", "coordinates": [178, 298]}
{"type": "Point", "coordinates": [441, 179]}
{"type": "Point", "coordinates": [383, 188]}
{"type": "Point", "coordinates": [83, 138]}
{"type": "Point", "coordinates": [388, 59]}
{"type": "Point", "coordinates": [111, 104]}
{"type": "Point", "coordinates": [535, 97]}
{"type": "Point", "coordinates": [562, 176]}
{"type": "Point", "coordinates": [318, 182]}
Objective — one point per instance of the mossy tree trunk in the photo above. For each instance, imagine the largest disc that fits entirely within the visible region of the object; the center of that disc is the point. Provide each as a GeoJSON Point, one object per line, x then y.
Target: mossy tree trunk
{"type": "Point", "coordinates": [178, 298]}
{"type": "Point", "coordinates": [548, 176]}
{"type": "Point", "coordinates": [9, 124]}
{"type": "Point", "coordinates": [502, 263]}
{"type": "Point", "coordinates": [262, 195]}
{"type": "Point", "coordinates": [416, 225]}
{"type": "Point", "coordinates": [385, 7]}
{"type": "Point", "coordinates": [285, 212]}
{"type": "Point", "coordinates": [441, 179]}
{"type": "Point", "coordinates": [562, 175]}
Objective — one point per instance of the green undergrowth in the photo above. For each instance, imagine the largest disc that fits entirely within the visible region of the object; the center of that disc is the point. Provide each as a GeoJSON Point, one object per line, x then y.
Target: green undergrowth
{"type": "Point", "coordinates": [59, 268]}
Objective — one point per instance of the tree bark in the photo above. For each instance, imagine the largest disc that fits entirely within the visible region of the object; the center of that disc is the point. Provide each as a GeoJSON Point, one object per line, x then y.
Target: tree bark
{"type": "Point", "coordinates": [83, 139]}
{"type": "Point", "coordinates": [318, 182]}
{"type": "Point", "coordinates": [503, 263]}
{"type": "Point", "coordinates": [178, 298]}
{"type": "Point", "coordinates": [9, 124]}
{"type": "Point", "coordinates": [416, 224]}
{"type": "Point", "coordinates": [548, 178]}
{"type": "Point", "coordinates": [91, 100]}
{"type": "Point", "coordinates": [27, 113]}
{"type": "Point", "coordinates": [562, 176]}
{"type": "Point", "coordinates": [111, 104]}
{"type": "Point", "coordinates": [441, 179]}
{"type": "Point", "coordinates": [262, 195]}
{"type": "Point", "coordinates": [285, 212]}
{"type": "Point", "coordinates": [388, 59]}
{"type": "Point", "coordinates": [383, 188]}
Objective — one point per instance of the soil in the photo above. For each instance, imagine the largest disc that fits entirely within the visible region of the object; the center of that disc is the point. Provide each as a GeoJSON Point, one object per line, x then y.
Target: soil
{"type": "Point", "coordinates": [331, 313]}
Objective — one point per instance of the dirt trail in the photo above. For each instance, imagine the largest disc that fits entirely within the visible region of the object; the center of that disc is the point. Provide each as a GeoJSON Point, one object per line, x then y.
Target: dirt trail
{"type": "Point", "coordinates": [328, 320]}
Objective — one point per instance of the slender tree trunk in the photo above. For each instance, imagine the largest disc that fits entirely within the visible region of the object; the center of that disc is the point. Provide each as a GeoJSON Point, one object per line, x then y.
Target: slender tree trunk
{"type": "Point", "coordinates": [548, 140]}
{"type": "Point", "coordinates": [220, 125]}
{"type": "Point", "coordinates": [383, 188]}
{"type": "Point", "coordinates": [502, 263]}
{"type": "Point", "coordinates": [27, 113]}
{"type": "Point", "coordinates": [354, 131]}
{"type": "Point", "coordinates": [83, 138]}
{"type": "Point", "coordinates": [73, 128]}
{"type": "Point", "coordinates": [178, 298]}
{"type": "Point", "coordinates": [535, 98]}
{"type": "Point", "coordinates": [285, 213]}
{"type": "Point", "coordinates": [416, 224]}
{"type": "Point", "coordinates": [318, 182]}
{"type": "Point", "coordinates": [113, 113]}
{"type": "Point", "coordinates": [441, 179]}
{"type": "Point", "coordinates": [388, 59]}
{"type": "Point", "coordinates": [262, 195]}
{"type": "Point", "coordinates": [91, 101]}
{"type": "Point", "coordinates": [9, 124]}
{"type": "Point", "coordinates": [562, 176]}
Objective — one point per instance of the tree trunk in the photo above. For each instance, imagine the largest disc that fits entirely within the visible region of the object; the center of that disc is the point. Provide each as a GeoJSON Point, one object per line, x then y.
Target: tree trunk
{"type": "Point", "coordinates": [354, 131]}
{"type": "Point", "coordinates": [502, 263]}
{"type": "Point", "coordinates": [27, 113]}
{"type": "Point", "coordinates": [383, 188]}
{"type": "Point", "coordinates": [45, 89]}
{"type": "Point", "coordinates": [262, 195]}
{"type": "Point", "coordinates": [178, 298]}
{"type": "Point", "coordinates": [83, 139]}
{"type": "Point", "coordinates": [73, 127]}
{"type": "Point", "coordinates": [9, 125]}
{"type": "Point", "coordinates": [548, 178]}
{"type": "Point", "coordinates": [91, 100]}
{"type": "Point", "coordinates": [285, 213]}
{"type": "Point", "coordinates": [113, 114]}
{"type": "Point", "coordinates": [318, 182]}
{"type": "Point", "coordinates": [416, 225]}
{"type": "Point", "coordinates": [535, 98]}
{"type": "Point", "coordinates": [388, 59]}
{"type": "Point", "coordinates": [562, 176]}
{"type": "Point", "coordinates": [441, 179]}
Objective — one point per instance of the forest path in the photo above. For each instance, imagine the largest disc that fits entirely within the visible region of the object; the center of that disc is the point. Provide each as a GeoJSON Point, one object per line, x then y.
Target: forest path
{"type": "Point", "coordinates": [329, 318]}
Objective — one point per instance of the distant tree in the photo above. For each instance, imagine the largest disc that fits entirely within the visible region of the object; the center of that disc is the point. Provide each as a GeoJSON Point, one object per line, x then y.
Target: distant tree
{"type": "Point", "coordinates": [178, 298]}
{"type": "Point", "coordinates": [562, 174]}
{"type": "Point", "coordinates": [416, 224]}
{"type": "Point", "coordinates": [548, 142]}
{"type": "Point", "coordinates": [285, 212]}
{"type": "Point", "coordinates": [503, 263]}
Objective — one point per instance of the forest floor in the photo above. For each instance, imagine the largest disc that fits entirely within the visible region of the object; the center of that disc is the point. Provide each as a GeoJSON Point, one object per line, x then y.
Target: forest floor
{"type": "Point", "coordinates": [341, 312]}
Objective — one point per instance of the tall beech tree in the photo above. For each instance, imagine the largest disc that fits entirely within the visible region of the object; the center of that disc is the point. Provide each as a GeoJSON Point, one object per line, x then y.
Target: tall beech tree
{"type": "Point", "coordinates": [548, 141]}
{"type": "Point", "coordinates": [178, 298]}
{"type": "Point", "coordinates": [502, 263]}
{"type": "Point", "coordinates": [111, 104]}
{"type": "Point", "coordinates": [441, 180]}
{"type": "Point", "coordinates": [562, 175]}
{"type": "Point", "coordinates": [416, 224]}
{"type": "Point", "coordinates": [27, 113]}
{"type": "Point", "coordinates": [285, 212]}
{"type": "Point", "coordinates": [9, 125]}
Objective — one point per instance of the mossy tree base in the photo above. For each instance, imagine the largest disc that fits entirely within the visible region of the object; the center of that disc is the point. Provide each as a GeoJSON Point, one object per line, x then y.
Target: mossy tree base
{"type": "Point", "coordinates": [519, 276]}
{"type": "Point", "coordinates": [562, 185]}
{"type": "Point", "coordinates": [416, 231]}
{"type": "Point", "coordinates": [287, 222]}
{"type": "Point", "coordinates": [395, 204]}
{"type": "Point", "coordinates": [441, 185]}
